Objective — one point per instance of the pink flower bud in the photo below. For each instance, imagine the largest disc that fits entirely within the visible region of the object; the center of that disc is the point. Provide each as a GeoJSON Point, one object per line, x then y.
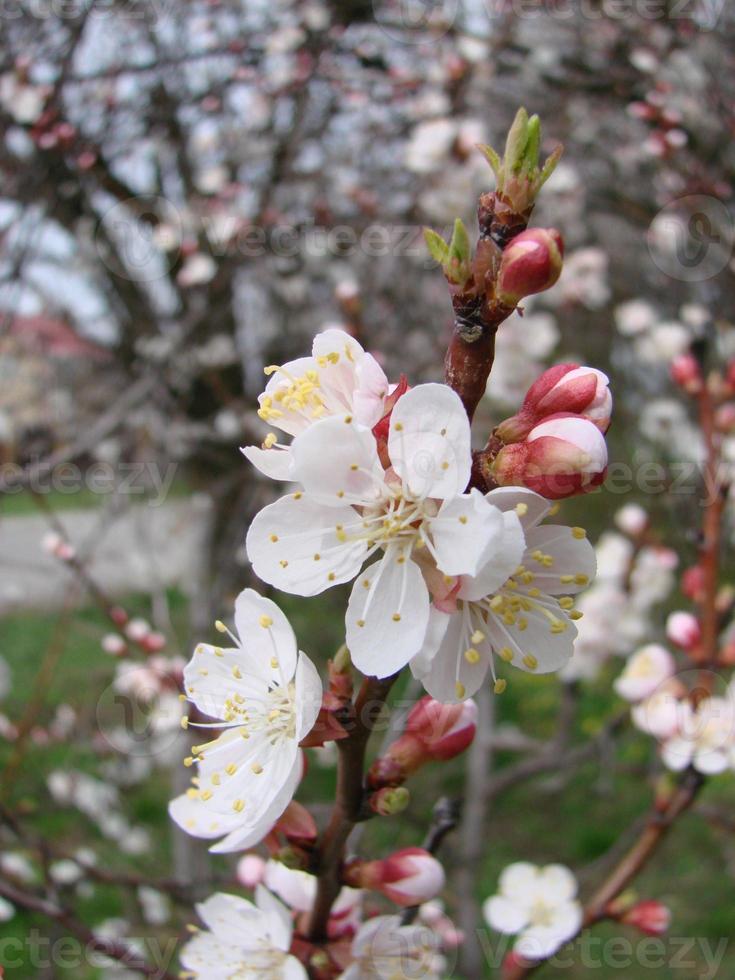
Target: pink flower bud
{"type": "Point", "coordinates": [651, 917]}
{"type": "Point", "coordinates": [408, 877]}
{"type": "Point", "coordinates": [137, 630]}
{"type": "Point", "coordinates": [692, 582]}
{"type": "Point", "coordinates": [433, 732]}
{"type": "Point", "coordinates": [153, 642]}
{"type": "Point", "coordinates": [250, 870]}
{"type": "Point", "coordinates": [296, 823]}
{"type": "Point", "coordinates": [632, 519]}
{"type": "Point", "coordinates": [566, 388]}
{"type": "Point", "coordinates": [685, 371]}
{"type": "Point", "coordinates": [530, 264]}
{"type": "Point", "coordinates": [114, 644]}
{"type": "Point", "coordinates": [683, 629]}
{"type": "Point", "coordinates": [725, 417]}
{"type": "Point", "coordinates": [563, 456]}
{"type": "Point", "coordinates": [446, 730]}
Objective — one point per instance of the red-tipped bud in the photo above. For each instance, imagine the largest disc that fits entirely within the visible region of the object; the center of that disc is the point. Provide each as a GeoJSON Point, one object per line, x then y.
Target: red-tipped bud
{"type": "Point", "coordinates": [433, 732]}
{"type": "Point", "coordinates": [389, 800]}
{"type": "Point", "coordinates": [725, 417]}
{"type": "Point", "coordinates": [692, 583]}
{"type": "Point", "coordinates": [566, 388]}
{"type": "Point", "coordinates": [408, 877]}
{"type": "Point", "coordinates": [446, 730]}
{"type": "Point", "coordinates": [530, 264]}
{"type": "Point", "coordinates": [114, 644]}
{"type": "Point", "coordinates": [153, 642]}
{"type": "Point", "coordinates": [685, 372]}
{"type": "Point", "coordinates": [651, 917]}
{"type": "Point", "coordinates": [683, 629]}
{"type": "Point", "coordinates": [296, 824]}
{"type": "Point", "coordinates": [563, 456]}
{"type": "Point", "coordinates": [730, 375]}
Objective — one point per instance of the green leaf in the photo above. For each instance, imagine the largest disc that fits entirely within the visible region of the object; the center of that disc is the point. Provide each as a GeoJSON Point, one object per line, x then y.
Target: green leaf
{"type": "Point", "coordinates": [437, 246]}
{"type": "Point", "coordinates": [515, 145]}
{"type": "Point", "coordinates": [492, 158]}
{"type": "Point", "coordinates": [533, 145]}
{"type": "Point", "coordinates": [550, 165]}
{"type": "Point", "coordinates": [459, 247]}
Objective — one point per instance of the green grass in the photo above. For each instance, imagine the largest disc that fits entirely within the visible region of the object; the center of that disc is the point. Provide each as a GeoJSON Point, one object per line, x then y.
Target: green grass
{"type": "Point", "coordinates": [575, 819]}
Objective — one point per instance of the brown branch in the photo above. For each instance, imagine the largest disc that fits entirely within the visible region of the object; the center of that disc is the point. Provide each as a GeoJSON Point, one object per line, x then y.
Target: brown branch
{"type": "Point", "coordinates": [349, 806]}
{"type": "Point", "coordinates": [65, 918]}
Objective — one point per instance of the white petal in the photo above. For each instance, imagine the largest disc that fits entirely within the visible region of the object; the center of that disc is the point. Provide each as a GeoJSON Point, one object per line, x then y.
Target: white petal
{"type": "Point", "coordinates": [500, 565]}
{"type": "Point", "coordinates": [429, 441]}
{"type": "Point", "coordinates": [387, 615]}
{"type": "Point", "coordinates": [252, 831]}
{"type": "Point", "coordinates": [550, 650]}
{"type": "Point", "coordinates": [518, 881]}
{"type": "Point", "coordinates": [451, 677]}
{"type": "Point", "coordinates": [286, 537]}
{"type": "Point", "coordinates": [280, 925]}
{"type": "Point", "coordinates": [336, 461]}
{"type": "Point", "coordinates": [276, 463]}
{"type": "Point", "coordinates": [466, 530]}
{"type": "Point", "coordinates": [531, 507]}
{"type": "Point", "coordinates": [308, 696]}
{"type": "Point", "coordinates": [573, 559]}
{"type": "Point", "coordinates": [265, 633]}
{"type": "Point", "coordinates": [677, 753]}
{"type": "Point", "coordinates": [192, 817]}
{"type": "Point", "coordinates": [371, 391]}
{"type": "Point", "coordinates": [216, 674]}
{"type": "Point", "coordinates": [293, 970]}
{"type": "Point", "coordinates": [710, 761]}
{"type": "Point", "coordinates": [504, 915]}
{"type": "Point", "coordinates": [557, 883]}
{"type": "Point", "coordinates": [296, 420]}
{"type": "Point", "coordinates": [435, 632]}
{"type": "Point", "coordinates": [226, 915]}
{"type": "Point", "coordinates": [207, 956]}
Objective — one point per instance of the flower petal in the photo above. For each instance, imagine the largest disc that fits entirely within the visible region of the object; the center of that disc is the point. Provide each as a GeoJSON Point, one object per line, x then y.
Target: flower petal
{"type": "Point", "coordinates": [387, 614]}
{"type": "Point", "coordinates": [336, 461]}
{"type": "Point", "coordinates": [295, 545]}
{"type": "Point", "coordinates": [500, 565]}
{"type": "Point", "coordinates": [531, 637]}
{"type": "Point", "coordinates": [518, 881]}
{"type": "Point", "coordinates": [573, 562]}
{"type": "Point", "coordinates": [451, 676]}
{"type": "Point", "coordinates": [531, 507]}
{"type": "Point", "coordinates": [279, 922]}
{"type": "Point", "coordinates": [465, 532]}
{"type": "Point", "coordinates": [429, 441]}
{"type": "Point", "coordinates": [557, 883]}
{"type": "Point", "coordinates": [504, 915]}
{"type": "Point", "coordinates": [308, 696]}
{"type": "Point", "coordinates": [215, 675]}
{"type": "Point", "coordinates": [276, 463]}
{"type": "Point", "coordinates": [265, 634]}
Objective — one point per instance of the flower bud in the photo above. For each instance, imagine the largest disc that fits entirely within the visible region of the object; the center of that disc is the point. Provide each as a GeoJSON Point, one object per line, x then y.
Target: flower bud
{"type": "Point", "coordinates": [530, 264]}
{"type": "Point", "coordinates": [563, 456]}
{"type": "Point", "coordinates": [651, 917]}
{"type": "Point", "coordinates": [632, 519]}
{"type": "Point", "coordinates": [114, 644]}
{"type": "Point", "coordinates": [725, 417]}
{"type": "Point", "coordinates": [153, 642]}
{"type": "Point", "coordinates": [692, 583]}
{"type": "Point", "coordinates": [250, 870]}
{"type": "Point", "coordinates": [433, 732]}
{"type": "Point", "coordinates": [296, 824]}
{"type": "Point", "coordinates": [683, 629]}
{"type": "Point", "coordinates": [390, 800]}
{"type": "Point", "coordinates": [408, 877]}
{"type": "Point", "coordinates": [685, 372]}
{"type": "Point", "coordinates": [565, 388]}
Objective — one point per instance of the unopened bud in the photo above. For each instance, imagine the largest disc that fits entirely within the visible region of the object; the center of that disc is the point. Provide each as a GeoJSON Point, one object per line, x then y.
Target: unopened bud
{"type": "Point", "coordinates": [390, 800]}
{"type": "Point", "coordinates": [296, 823]}
{"type": "Point", "coordinates": [250, 870]}
{"type": "Point", "coordinates": [685, 372]}
{"type": "Point", "coordinates": [137, 630]}
{"type": "Point", "coordinates": [683, 629]}
{"type": "Point", "coordinates": [114, 644]}
{"type": "Point", "coordinates": [408, 877]}
{"type": "Point", "coordinates": [153, 642]}
{"type": "Point", "coordinates": [530, 264]}
{"type": "Point", "coordinates": [563, 456]}
{"type": "Point", "coordinates": [693, 583]}
{"type": "Point", "coordinates": [565, 388]}
{"type": "Point", "coordinates": [651, 917]}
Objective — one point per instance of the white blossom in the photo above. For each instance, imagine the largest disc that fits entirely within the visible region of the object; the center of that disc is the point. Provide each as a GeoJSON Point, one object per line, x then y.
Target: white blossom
{"type": "Point", "coordinates": [538, 905]}
{"type": "Point", "coordinates": [267, 696]}
{"type": "Point", "coordinates": [244, 940]}
{"type": "Point", "coordinates": [383, 949]}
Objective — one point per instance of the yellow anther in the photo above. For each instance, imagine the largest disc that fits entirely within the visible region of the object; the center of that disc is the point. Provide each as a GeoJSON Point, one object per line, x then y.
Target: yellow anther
{"type": "Point", "coordinates": [575, 614]}
{"type": "Point", "coordinates": [462, 519]}
{"type": "Point", "coordinates": [472, 656]}
{"type": "Point", "coordinates": [220, 626]}
{"type": "Point", "coordinates": [238, 806]}
{"type": "Point", "coordinates": [256, 769]}
{"type": "Point", "coordinates": [478, 636]}
{"type": "Point", "coordinates": [348, 419]}
{"type": "Point", "coordinates": [270, 440]}
{"type": "Point", "coordinates": [579, 533]}
{"type": "Point", "coordinates": [274, 663]}
{"type": "Point", "coordinates": [231, 769]}
{"type": "Point", "coordinates": [274, 538]}
{"type": "Point", "coordinates": [236, 673]}
{"type": "Point", "coordinates": [317, 557]}
{"type": "Point", "coordinates": [398, 426]}
{"type": "Point", "coordinates": [530, 661]}
{"type": "Point", "coordinates": [521, 509]}
{"type": "Point", "coordinates": [206, 795]}
{"type": "Point", "coordinates": [459, 689]}
{"type": "Point", "coordinates": [185, 722]}
{"type": "Point", "coordinates": [581, 579]}
{"type": "Point", "coordinates": [215, 779]}
{"type": "Point", "coordinates": [566, 579]}
{"type": "Point", "coordinates": [566, 602]}
{"type": "Point", "coordinates": [500, 685]}
{"type": "Point", "coordinates": [265, 621]}
{"type": "Point", "coordinates": [298, 495]}
{"type": "Point", "coordinates": [331, 577]}
{"type": "Point", "coordinates": [189, 761]}
{"type": "Point", "coordinates": [361, 623]}
{"type": "Point", "coordinates": [497, 602]}
{"type": "Point", "coordinates": [396, 617]}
